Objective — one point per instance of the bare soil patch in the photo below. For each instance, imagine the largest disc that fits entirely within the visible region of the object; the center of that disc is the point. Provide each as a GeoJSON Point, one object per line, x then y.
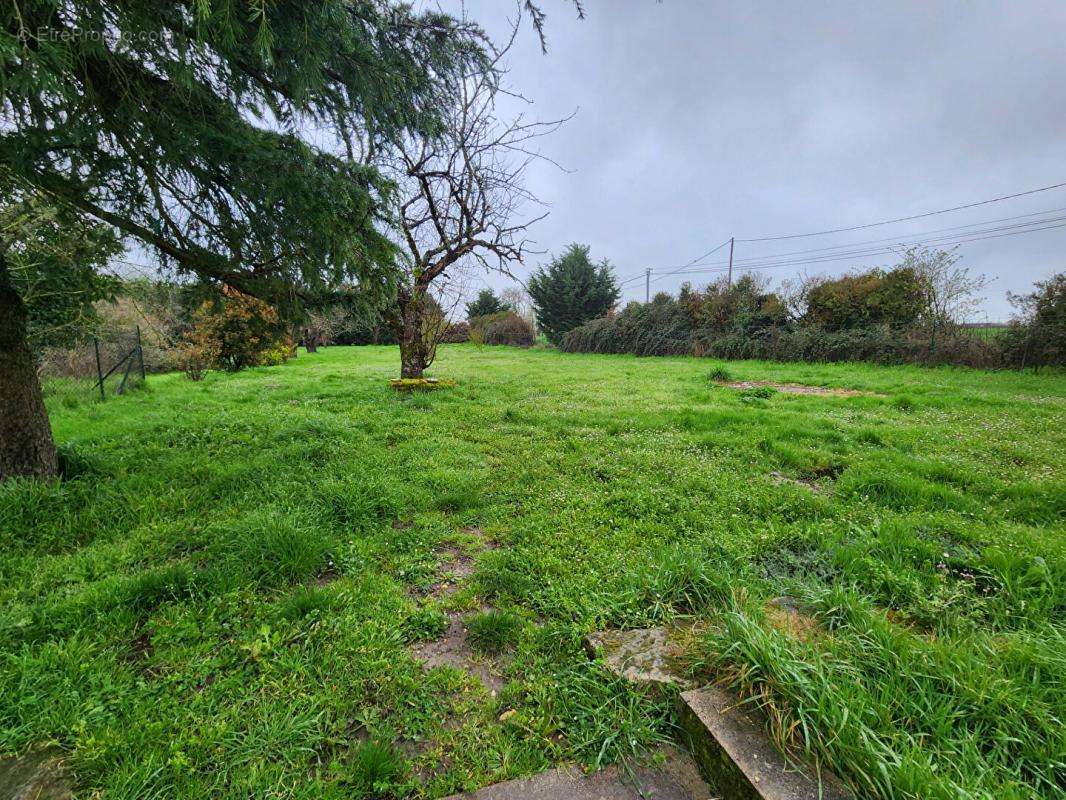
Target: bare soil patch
{"type": "Point", "coordinates": [785, 614]}
{"type": "Point", "coordinates": [813, 485]}
{"type": "Point", "coordinates": [797, 388]}
{"type": "Point", "coordinates": [453, 649]}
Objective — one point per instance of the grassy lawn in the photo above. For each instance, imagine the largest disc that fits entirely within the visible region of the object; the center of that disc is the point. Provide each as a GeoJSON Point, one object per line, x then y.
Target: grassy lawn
{"type": "Point", "coordinates": [222, 598]}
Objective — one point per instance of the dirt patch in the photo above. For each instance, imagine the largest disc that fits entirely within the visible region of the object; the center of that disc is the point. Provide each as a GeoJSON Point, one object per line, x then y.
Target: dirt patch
{"type": "Point", "coordinates": [780, 478]}
{"type": "Point", "coordinates": [453, 649]}
{"type": "Point", "coordinates": [327, 577]}
{"type": "Point", "coordinates": [796, 388]}
{"type": "Point", "coordinates": [456, 566]}
{"type": "Point", "coordinates": [139, 656]}
{"type": "Point", "coordinates": [785, 614]}
{"type": "Point", "coordinates": [141, 648]}
{"type": "Point", "coordinates": [485, 541]}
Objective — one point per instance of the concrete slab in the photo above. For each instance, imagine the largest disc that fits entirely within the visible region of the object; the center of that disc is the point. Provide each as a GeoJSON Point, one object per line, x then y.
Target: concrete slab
{"type": "Point", "coordinates": [643, 655]}
{"type": "Point", "coordinates": [738, 759]}
{"type": "Point", "coordinates": [678, 778]}
{"type": "Point", "coordinates": [37, 775]}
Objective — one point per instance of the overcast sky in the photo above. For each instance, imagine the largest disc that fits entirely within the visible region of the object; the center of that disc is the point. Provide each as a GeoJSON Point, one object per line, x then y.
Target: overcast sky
{"type": "Point", "coordinates": [698, 121]}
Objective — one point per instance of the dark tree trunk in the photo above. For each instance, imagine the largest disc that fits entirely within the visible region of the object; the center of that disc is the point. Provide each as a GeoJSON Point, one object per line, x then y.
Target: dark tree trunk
{"type": "Point", "coordinates": [415, 352]}
{"type": "Point", "coordinates": [26, 445]}
{"type": "Point", "coordinates": [295, 341]}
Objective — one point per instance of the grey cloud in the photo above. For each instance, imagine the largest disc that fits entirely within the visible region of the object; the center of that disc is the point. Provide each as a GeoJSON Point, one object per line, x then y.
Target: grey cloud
{"type": "Point", "coordinates": [702, 120]}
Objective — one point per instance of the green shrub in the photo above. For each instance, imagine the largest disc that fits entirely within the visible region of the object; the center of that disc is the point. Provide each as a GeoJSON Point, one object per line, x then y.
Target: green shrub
{"type": "Point", "coordinates": [510, 329]}
{"type": "Point", "coordinates": [232, 332]}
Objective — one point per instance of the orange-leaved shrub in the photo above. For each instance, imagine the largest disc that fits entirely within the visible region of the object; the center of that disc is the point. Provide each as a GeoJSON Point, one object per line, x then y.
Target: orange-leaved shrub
{"type": "Point", "coordinates": [234, 332]}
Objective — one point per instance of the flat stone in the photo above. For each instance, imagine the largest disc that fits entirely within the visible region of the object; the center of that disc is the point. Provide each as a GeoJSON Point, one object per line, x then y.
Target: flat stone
{"type": "Point", "coordinates": [37, 775]}
{"type": "Point", "coordinates": [740, 761]}
{"type": "Point", "coordinates": [643, 655]}
{"type": "Point", "coordinates": [677, 778]}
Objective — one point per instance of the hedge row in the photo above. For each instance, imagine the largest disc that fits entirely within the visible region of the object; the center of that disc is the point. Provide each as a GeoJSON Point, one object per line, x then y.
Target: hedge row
{"type": "Point", "coordinates": [664, 327]}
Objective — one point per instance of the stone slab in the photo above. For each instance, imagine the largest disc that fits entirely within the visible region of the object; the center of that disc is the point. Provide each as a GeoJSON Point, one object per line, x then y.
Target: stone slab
{"type": "Point", "coordinates": [36, 775]}
{"type": "Point", "coordinates": [738, 759]}
{"type": "Point", "coordinates": [678, 778]}
{"type": "Point", "coordinates": [642, 655]}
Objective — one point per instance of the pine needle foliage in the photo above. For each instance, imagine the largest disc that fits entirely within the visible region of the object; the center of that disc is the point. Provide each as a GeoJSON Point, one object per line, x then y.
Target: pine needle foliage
{"type": "Point", "coordinates": [184, 124]}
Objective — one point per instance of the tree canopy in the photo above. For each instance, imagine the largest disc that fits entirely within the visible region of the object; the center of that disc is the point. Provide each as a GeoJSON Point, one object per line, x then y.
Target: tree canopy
{"type": "Point", "coordinates": [873, 297]}
{"type": "Point", "coordinates": [217, 133]}
{"type": "Point", "coordinates": [54, 255]}
{"type": "Point", "coordinates": [183, 124]}
{"type": "Point", "coordinates": [484, 304]}
{"type": "Point", "coordinates": [571, 291]}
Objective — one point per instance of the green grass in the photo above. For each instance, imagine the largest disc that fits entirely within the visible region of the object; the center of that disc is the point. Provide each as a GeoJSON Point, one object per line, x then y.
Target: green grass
{"type": "Point", "coordinates": [989, 332]}
{"type": "Point", "coordinates": [494, 631]}
{"type": "Point", "coordinates": [220, 599]}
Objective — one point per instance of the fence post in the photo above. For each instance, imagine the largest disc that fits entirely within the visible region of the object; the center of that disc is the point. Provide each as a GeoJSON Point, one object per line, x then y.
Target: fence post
{"type": "Point", "coordinates": [99, 369]}
{"type": "Point", "coordinates": [140, 354]}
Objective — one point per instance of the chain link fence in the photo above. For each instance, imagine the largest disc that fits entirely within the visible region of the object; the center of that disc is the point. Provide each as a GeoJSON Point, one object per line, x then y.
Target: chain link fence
{"type": "Point", "coordinates": [106, 365]}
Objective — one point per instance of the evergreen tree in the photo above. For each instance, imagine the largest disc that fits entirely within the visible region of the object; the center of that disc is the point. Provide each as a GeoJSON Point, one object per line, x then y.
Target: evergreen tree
{"type": "Point", "coordinates": [179, 125]}
{"type": "Point", "coordinates": [486, 303]}
{"type": "Point", "coordinates": [572, 291]}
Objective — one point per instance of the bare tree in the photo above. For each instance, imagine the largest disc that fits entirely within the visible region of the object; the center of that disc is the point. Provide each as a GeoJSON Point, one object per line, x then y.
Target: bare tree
{"type": "Point", "coordinates": [321, 326]}
{"type": "Point", "coordinates": [520, 302]}
{"type": "Point", "coordinates": [461, 204]}
{"type": "Point", "coordinates": [950, 291]}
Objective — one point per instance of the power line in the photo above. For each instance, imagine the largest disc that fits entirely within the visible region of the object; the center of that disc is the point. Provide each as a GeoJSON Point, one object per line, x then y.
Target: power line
{"type": "Point", "coordinates": [905, 219]}
{"type": "Point", "coordinates": [862, 249]}
{"type": "Point", "coordinates": [691, 263]}
{"type": "Point", "coordinates": [917, 234]}
{"type": "Point", "coordinates": [694, 261]}
{"type": "Point", "coordinates": [955, 238]}
{"type": "Point", "coordinates": [883, 251]}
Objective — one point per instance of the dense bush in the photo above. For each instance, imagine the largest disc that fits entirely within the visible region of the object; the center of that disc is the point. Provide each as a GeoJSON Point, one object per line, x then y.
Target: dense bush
{"type": "Point", "coordinates": [510, 329]}
{"type": "Point", "coordinates": [744, 321]}
{"type": "Point", "coordinates": [456, 333]}
{"type": "Point", "coordinates": [1038, 336]}
{"type": "Point", "coordinates": [874, 297]}
{"type": "Point", "coordinates": [234, 332]}
{"type": "Point", "coordinates": [659, 328]}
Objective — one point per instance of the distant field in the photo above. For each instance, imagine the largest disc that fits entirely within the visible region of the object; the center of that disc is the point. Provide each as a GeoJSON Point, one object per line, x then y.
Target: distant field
{"type": "Point", "coordinates": [987, 332]}
{"type": "Point", "coordinates": [222, 599]}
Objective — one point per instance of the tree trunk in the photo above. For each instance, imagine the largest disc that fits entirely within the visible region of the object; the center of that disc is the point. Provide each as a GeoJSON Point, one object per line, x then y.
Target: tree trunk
{"type": "Point", "coordinates": [414, 350]}
{"type": "Point", "coordinates": [295, 336]}
{"type": "Point", "coordinates": [26, 445]}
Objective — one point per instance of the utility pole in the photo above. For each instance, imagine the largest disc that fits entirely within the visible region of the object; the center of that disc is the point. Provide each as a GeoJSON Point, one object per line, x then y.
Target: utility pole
{"type": "Point", "coordinates": [730, 279]}
{"type": "Point", "coordinates": [647, 284]}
